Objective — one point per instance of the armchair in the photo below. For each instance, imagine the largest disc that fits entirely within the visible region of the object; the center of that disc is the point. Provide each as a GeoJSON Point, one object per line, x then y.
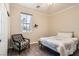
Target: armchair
{"type": "Point", "coordinates": [19, 42]}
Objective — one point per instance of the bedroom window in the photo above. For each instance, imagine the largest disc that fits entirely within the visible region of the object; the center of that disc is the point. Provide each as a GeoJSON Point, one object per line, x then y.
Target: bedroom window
{"type": "Point", "coordinates": [26, 22]}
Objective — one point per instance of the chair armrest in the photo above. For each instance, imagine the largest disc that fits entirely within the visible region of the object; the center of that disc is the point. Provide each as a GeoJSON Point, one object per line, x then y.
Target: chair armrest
{"type": "Point", "coordinates": [27, 39]}
{"type": "Point", "coordinates": [28, 42]}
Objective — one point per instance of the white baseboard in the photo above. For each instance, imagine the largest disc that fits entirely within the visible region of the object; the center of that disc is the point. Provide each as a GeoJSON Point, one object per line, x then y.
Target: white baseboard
{"type": "Point", "coordinates": [33, 43]}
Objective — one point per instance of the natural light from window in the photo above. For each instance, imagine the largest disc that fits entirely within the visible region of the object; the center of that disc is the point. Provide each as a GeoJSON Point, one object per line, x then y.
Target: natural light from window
{"type": "Point", "coordinates": [26, 22]}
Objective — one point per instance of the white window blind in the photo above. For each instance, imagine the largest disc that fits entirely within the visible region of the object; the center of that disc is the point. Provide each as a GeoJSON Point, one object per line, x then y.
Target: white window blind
{"type": "Point", "coordinates": [26, 22]}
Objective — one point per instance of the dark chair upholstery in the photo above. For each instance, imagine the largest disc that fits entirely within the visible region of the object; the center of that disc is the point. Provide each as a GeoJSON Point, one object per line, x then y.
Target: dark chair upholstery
{"type": "Point", "coordinates": [19, 42]}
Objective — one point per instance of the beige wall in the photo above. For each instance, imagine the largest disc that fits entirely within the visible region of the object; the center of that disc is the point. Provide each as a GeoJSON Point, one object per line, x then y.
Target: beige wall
{"type": "Point", "coordinates": [67, 21]}
{"type": "Point", "coordinates": [38, 18]}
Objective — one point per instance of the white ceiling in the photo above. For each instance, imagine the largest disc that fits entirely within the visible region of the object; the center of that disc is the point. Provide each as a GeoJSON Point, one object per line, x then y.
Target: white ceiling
{"type": "Point", "coordinates": [48, 8]}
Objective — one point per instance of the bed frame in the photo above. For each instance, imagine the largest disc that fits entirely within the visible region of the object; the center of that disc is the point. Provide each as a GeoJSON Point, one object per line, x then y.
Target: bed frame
{"type": "Point", "coordinates": [42, 46]}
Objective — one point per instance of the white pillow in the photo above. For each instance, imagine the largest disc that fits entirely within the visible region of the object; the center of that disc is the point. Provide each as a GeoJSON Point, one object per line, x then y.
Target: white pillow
{"type": "Point", "coordinates": [65, 35]}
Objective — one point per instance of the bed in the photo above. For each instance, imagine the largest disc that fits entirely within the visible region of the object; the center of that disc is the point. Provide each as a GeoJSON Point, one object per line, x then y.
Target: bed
{"type": "Point", "coordinates": [63, 43]}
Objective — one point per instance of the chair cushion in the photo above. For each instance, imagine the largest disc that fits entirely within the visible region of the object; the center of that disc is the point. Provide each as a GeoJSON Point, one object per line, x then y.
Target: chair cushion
{"type": "Point", "coordinates": [24, 42]}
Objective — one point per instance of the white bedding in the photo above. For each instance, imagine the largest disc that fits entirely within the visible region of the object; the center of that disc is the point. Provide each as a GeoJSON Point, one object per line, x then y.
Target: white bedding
{"type": "Point", "coordinates": [64, 46]}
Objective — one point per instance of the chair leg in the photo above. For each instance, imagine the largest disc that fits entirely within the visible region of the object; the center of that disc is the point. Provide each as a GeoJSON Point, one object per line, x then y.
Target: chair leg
{"type": "Point", "coordinates": [19, 53]}
{"type": "Point", "coordinates": [19, 50]}
{"type": "Point", "coordinates": [28, 46]}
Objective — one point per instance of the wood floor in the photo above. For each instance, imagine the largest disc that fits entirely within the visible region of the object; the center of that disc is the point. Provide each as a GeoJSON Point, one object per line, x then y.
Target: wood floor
{"type": "Point", "coordinates": [34, 50]}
